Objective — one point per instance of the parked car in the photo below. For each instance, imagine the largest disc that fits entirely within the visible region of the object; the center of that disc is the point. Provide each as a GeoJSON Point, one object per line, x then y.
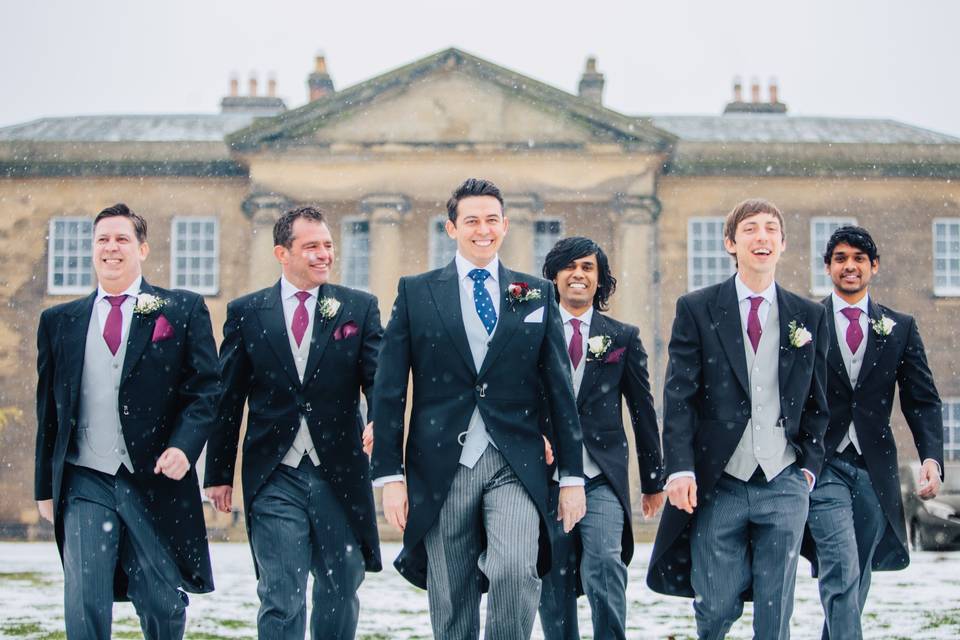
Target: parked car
{"type": "Point", "coordinates": [933, 525]}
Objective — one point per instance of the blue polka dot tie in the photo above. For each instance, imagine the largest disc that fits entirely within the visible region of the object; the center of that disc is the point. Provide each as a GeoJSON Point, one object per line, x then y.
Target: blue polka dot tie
{"type": "Point", "coordinates": [481, 298]}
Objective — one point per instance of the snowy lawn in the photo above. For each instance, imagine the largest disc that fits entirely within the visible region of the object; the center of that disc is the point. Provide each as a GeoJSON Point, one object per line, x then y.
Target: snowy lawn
{"type": "Point", "coordinates": [920, 602]}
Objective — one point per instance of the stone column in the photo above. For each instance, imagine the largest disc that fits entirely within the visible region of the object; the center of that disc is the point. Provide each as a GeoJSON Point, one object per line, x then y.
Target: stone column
{"type": "Point", "coordinates": [517, 249]}
{"type": "Point", "coordinates": [385, 213]}
{"type": "Point", "coordinates": [263, 209]}
{"type": "Point", "coordinates": [636, 267]}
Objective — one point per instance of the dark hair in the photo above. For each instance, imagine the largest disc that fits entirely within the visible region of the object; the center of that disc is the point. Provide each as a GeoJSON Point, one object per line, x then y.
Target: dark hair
{"type": "Point", "coordinates": [856, 237]}
{"type": "Point", "coordinates": [123, 211]}
{"type": "Point", "coordinates": [472, 187]}
{"type": "Point", "coordinates": [570, 249]}
{"type": "Point", "coordinates": [283, 227]}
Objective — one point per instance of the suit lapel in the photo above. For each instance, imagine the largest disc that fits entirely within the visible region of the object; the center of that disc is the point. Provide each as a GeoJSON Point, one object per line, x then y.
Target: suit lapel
{"type": "Point", "coordinates": [446, 297]}
{"type": "Point", "coordinates": [508, 322]}
{"type": "Point", "coordinates": [591, 368]}
{"type": "Point", "coordinates": [726, 316]}
{"type": "Point", "coordinates": [74, 345]}
{"type": "Point", "coordinates": [141, 330]}
{"type": "Point", "coordinates": [834, 355]}
{"type": "Point", "coordinates": [788, 353]}
{"type": "Point", "coordinates": [275, 330]}
{"type": "Point", "coordinates": [322, 330]}
{"type": "Point", "coordinates": [875, 343]}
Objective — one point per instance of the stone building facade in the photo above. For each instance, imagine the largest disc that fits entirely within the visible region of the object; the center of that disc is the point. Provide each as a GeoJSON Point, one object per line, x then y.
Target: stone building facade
{"type": "Point", "coordinates": [382, 156]}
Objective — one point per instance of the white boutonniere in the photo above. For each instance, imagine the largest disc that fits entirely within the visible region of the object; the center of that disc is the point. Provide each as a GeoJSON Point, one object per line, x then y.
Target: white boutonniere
{"type": "Point", "coordinates": [521, 292]}
{"type": "Point", "coordinates": [328, 307]}
{"type": "Point", "coordinates": [597, 346]}
{"type": "Point", "coordinates": [799, 335]}
{"type": "Point", "coordinates": [884, 326]}
{"type": "Point", "coordinates": [148, 303]}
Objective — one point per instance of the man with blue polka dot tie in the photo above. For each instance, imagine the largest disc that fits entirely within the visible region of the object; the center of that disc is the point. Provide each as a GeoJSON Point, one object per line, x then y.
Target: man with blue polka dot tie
{"type": "Point", "coordinates": [477, 500]}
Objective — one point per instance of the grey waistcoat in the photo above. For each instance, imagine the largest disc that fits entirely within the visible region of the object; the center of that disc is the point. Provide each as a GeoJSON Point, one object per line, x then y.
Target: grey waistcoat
{"type": "Point", "coordinates": [764, 441]}
{"type": "Point", "coordinates": [476, 439]}
{"type": "Point", "coordinates": [98, 441]}
{"type": "Point", "coordinates": [303, 443]}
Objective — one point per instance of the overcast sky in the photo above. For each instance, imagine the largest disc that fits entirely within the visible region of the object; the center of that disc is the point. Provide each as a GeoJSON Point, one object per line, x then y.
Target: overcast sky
{"type": "Point", "coordinates": [879, 58]}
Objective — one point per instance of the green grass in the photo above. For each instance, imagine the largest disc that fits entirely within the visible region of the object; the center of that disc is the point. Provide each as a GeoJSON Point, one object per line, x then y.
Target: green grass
{"type": "Point", "coordinates": [34, 578]}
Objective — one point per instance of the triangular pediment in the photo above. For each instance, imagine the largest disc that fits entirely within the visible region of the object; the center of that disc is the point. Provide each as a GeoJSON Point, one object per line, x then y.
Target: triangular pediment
{"type": "Point", "coordinates": [451, 99]}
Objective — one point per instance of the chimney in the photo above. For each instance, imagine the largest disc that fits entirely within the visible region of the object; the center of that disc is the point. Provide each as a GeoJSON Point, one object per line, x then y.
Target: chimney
{"type": "Point", "coordinates": [591, 82]}
{"type": "Point", "coordinates": [319, 83]}
{"type": "Point", "coordinates": [755, 105]}
{"type": "Point", "coordinates": [252, 104]}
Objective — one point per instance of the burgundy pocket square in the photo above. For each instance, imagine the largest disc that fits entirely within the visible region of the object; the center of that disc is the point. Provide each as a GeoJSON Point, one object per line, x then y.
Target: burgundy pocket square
{"type": "Point", "coordinates": [162, 329]}
{"type": "Point", "coordinates": [614, 356]}
{"type": "Point", "coordinates": [347, 330]}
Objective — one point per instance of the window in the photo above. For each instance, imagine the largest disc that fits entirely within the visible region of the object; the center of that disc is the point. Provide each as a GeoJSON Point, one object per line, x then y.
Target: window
{"type": "Point", "coordinates": [70, 256]}
{"type": "Point", "coordinates": [951, 428]}
{"type": "Point", "coordinates": [820, 231]}
{"type": "Point", "coordinates": [442, 246]}
{"type": "Point", "coordinates": [356, 253]}
{"type": "Point", "coordinates": [195, 254]}
{"type": "Point", "coordinates": [946, 256]}
{"type": "Point", "coordinates": [707, 260]}
{"type": "Point", "coordinates": [546, 233]}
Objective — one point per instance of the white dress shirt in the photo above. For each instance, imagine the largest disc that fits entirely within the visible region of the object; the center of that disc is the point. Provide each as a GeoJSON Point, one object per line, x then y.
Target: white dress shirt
{"type": "Point", "coordinates": [590, 467]}
{"type": "Point", "coordinates": [302, 443]}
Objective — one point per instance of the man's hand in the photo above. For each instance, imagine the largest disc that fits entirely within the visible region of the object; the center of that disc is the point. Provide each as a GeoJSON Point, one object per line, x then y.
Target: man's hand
{"type": "Point", "coordinates": [572, 506]}
{"type": "Point", "coordinates": [650, 503]}
{"type": "Point", "coordinates": [368, 439]}
{"type": "Point", "coordinates": [395, 504]}
{"type": "Point", "coordinates": [547, 451]}
{"type": "Point", "coordinates": [810, 479]}
{"type": "Point", "coordinates": [172, 463]}
{"type": "Point", "coordinates": [682, 493]}
{"type": "Point", "coordinates": [221, 496]}
{"type": "Point", "coordinates": [46, 509]}
{"type": "Point", "coordinates": [929, 480]}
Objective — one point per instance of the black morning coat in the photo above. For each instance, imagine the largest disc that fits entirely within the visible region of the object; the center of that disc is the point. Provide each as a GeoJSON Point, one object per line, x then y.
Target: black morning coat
{"type": "Point", "coordinates": [893, 360]}
{"type": "Point", "coordinates": [258, 370]}
{"type": "Point", "coordinates": [426, 337]}
{"type": "Point", "coordinates": [167, 398]}
{"type": "Point", "coordinates": [620, 373]}
{"type": "Point", "coordinates": [706, 405]}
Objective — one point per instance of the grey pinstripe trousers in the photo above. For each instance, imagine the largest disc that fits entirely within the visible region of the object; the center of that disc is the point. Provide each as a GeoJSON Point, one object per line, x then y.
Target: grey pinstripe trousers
{"type": "Point", "coordinates": [487, 501]}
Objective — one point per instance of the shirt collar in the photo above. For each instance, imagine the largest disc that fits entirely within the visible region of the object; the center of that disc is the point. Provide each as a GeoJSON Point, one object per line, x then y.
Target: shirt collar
{"type": "Point", "coordinates": [131, 291]}
{"type": "Point", "coordinates": [287, 290]}
{"type": "Point", "coordinates": [839, 304]}
{"type": "Point", "coordinates": [464, 267]}
{"type": "Point", "coordinates": [744, 292]}
{"type": "Point", "coordinates": [565, 316]}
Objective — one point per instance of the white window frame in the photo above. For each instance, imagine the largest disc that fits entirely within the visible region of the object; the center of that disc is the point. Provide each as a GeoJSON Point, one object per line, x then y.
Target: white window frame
{"type": "Point", "coordinates": [720, 254]}
{"type": "Point", "coordinates": [65, 289]}
{"type": "Point", "coordinates": [820, 283]}
{"type": "Point", "coordinates": [189, 254]}
{"type": "Point", "coordinates": [946, 290]}
{"type": "Point", "coordinates": [951, 427]}
{"type": "Point", "coordinates": [538, 260]}
{"type": "Point", "coordinates": [435, 240]}
{"type": "Point", "coordinates": [346, 276]}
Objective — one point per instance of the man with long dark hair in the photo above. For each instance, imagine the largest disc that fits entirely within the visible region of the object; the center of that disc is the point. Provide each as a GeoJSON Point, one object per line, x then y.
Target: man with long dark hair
{"type": "Point", "coordinates": [856, 511]}
{"type": "Point", "coordinates": [608, 364]}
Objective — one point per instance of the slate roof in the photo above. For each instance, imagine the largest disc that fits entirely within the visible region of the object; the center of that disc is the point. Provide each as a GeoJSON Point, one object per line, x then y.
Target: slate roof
{"type": "Point", "coordinates": [776, 128]}
{"type": "Point", "coordinates": [129, 128]}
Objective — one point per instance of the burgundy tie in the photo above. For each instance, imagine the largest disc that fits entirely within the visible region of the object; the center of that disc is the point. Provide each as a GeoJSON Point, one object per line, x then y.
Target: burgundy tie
{"type": "Point", "coordinates": [754, 330]}
{"type": "Point", "coordinates": [854, 332]}
{"type": "Point", "coordinates": [300, 317]}
{"type": "Point", "coordinates": [576, 343]}
{"type": "Point", "coordinates": [113, 327]}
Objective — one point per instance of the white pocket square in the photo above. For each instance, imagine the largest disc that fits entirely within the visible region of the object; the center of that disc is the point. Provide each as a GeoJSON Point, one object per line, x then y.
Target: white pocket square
{"type": "Point", "coordinates": [534, 316]}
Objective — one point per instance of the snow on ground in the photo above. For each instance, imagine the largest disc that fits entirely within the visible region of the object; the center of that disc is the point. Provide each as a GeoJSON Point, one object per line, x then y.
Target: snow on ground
{"type": "Point", "coordinates": [919, 603]}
